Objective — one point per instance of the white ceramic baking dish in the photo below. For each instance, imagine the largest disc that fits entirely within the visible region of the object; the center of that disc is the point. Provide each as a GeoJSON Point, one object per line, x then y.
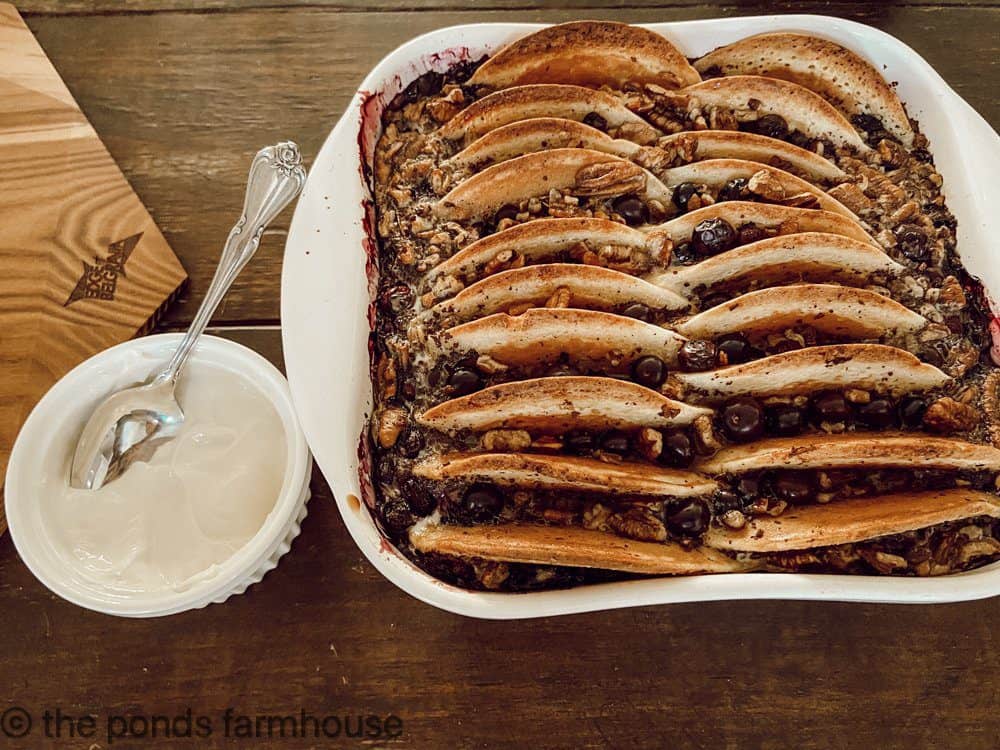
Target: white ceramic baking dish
{"type": "Point", "coordinates": [326, 287]}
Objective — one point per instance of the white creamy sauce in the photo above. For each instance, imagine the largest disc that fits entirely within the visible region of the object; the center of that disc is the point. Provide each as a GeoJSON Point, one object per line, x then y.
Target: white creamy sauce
{"type": "Point", "coordinates": [168, 523]}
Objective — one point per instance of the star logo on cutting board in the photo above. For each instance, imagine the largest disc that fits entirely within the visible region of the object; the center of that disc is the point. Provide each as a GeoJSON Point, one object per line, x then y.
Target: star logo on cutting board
{"type": "Point", "coordinates": [100, 280]}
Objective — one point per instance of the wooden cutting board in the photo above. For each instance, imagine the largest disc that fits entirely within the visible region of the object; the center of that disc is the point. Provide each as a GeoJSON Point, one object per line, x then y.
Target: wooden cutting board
{"type": "Point", "coordinates": [82, 265]}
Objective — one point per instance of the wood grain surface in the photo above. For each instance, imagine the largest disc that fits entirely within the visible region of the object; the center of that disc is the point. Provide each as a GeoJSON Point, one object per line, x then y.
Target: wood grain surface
{"type": "Point", "coordinates": [84, 266]}
{"type": "Point", "coordinates": [183, 98]}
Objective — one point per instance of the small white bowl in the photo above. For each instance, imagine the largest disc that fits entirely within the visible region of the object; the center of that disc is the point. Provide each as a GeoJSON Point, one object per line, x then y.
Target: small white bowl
{"type": "Point", "coordinates": [48, 437]}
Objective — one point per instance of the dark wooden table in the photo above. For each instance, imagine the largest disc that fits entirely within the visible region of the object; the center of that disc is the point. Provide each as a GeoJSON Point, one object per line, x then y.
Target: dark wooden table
{"type": "Point", "coordinates": [183, 92]}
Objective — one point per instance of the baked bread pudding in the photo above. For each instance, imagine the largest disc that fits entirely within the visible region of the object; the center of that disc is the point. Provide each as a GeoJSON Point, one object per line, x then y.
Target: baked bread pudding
{"type": "Point", "coordinates": [643, 315]}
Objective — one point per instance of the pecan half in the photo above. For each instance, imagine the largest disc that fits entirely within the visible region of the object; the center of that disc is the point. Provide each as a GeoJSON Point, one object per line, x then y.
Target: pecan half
{"type": "Point", "coordinates": [610, 178]}
{"type": "Point", "coordinates": [638, 523]}
{"type": "Point", "coordinates": [506, 440]}
{"type": "Point", "coordinates": [948, 415]}
{"type": "Point", "coordinates": [390, 424]}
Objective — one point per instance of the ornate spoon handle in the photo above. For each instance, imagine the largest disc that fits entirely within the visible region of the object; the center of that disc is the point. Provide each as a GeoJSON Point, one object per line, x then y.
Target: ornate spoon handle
{"type": "Point", "coordinates": [276, 177]}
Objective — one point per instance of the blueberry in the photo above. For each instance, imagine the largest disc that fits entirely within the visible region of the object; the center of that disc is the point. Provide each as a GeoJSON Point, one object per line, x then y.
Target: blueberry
{"type": "Point", "coordinates": [630, 208]}
{"type": "Point", "coordinates": [736, 348]}
{"type": "Point", "coordinates": [482, 502]}
{"type": "Point", "coordinates": [831, 407]}
{"type": "Point", "coordinates": [743, 419]}
{"type": "Point", "coordinates": [410, 443]}
{"type": "Point", "coordinates": [615, 441]}
{"type": "Point", "coordinates": [649, 371]}
{"type": "Point", "coordinates": [690, 519]}
{"type": "Point", "coordinates": [638, 311]}
{"type": "Point", "coordinates": [579, 442]}
{"type": "Point", "coordinates": [683, 193]}
{"type": "Point", "coordinates": [464, 381]}
{"type": "Point", "coordinates": [750, 233]}
{"type": "Point", "coordinates": [420, 499]}
{"type": "Point", "coordinates": [734, 190]}
{"type": "Point", "coordinates": [912, 242]}
{"type": "Point", "coordinates": [429, 83]}
{"type": "Point", "coordinates": [773, 126]}
{"type": "Point", "coordinates": [397, 515]}
{"type": "Point", "coordinates": [713, 236]}
{"type": "Point", "coordinates": [877, 414]}
{"type": "Point", "coordinates": [749, 487]}
{"type": "Point", "coordinates": [697, 355]}
{"type": "Point", "coordinates": [793, 486]}
{"type": "Point", "coordinates": [683, 253]}
{"type": "Point", "coordinates": [786, 420]}
{"type": "Point", "coordinates": [911, 411]}
{"type": "Point", "coordinates": [724, 500]}
{"type": "Point", "coordinates": [677, 450]}
{"type": "Point", "coordinates": [594, 120]}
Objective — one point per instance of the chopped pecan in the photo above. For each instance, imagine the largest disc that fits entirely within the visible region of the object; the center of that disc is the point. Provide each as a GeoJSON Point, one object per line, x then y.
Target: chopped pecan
{"type": "Point", "coordinates": [560, 298]}
{"type": "Point", "coordinates": [851, 196]}
{"type": "Point", "coordinates": [733, 519]}
{"type": "Point", "coordinates": [503, 261]}
{"type": "Point", "coordinates": [506, 440]}
{"type": "Point", "coordinates": [445, 286]}
{"type": "Point", "coordinates": [948, 415]}
{"type": "Point", "coordinates": [883, 562]}
{"type": "Point", "coordinates": [960, 358]}
{"type": "Point", "coordinates": [486, 363]}
{"type": "Point", "coordinates": [978, 548]}
{"type": "Point", "coordinates": [704, 434]}
{"type": "Point", "coordinates": [596, 517]}
{"type": "Point", "coordinates": [801, 200]}
{"type": "Point", "coordinates": [952, 294]}
{"type": "Point", "coordinates": [559, 516]}
{"type": "Point", "coordinates": [390, 424]}
{"type": "Point", "coordinates": [547, 443]}
{"type": "Point", "coordinates": [764, 184]}
{"type": "Point", "coordinates": [652, 158]}
{"type": "Point", "coordinates": [385, 371]}
{"type": "Point", "coordinates": [492, 574]}
{"type": "Point", "coordinates": [650, 443]}
{"type": "Point", "coordinates": [638, 523]}
{"type": "Point", "coordinates": [637, 133]}
{"type": "Point", "coordinates": [857, 396]}
{"type": "Point", "coordinates": [609, 179]}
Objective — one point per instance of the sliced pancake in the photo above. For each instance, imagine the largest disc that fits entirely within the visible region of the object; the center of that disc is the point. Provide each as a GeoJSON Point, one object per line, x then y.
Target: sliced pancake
{"type": "Point", "coordinates": [786, 219]}
{"type": "Point", "coordinates": [735, 144]}
{"type": "Point", "coordinates": [536, 241]}
{"type": "Point", "coordinates": [836, 310]}
{"type": "Point", "coordinates": [558, 404]}
{"type": "Point", "coordinates": [588, 53]}
{"type": "Point", "coordinates": [538, 134]}
{"type": "Point", "coordinates": [576, 171]}
{"type": "Point", "coordinates": [542, 100]}
{"type": "Point", "coordinates": [884, 369]}
{"type": "Point", "coordinates": [592, 287]}
{"type": "Point", "coordinates": [807, 256]}
{"type": "Point", "coordinates": [715, 173]}
{"type": "Point", "coordinates": [543, 471]}
{"type": "Point", "coordinates": [543, 335]}
{"type": "Point", "coordinates": [847, 80]}
{"type": "Point", "coordinates": [571, 546]}
{"type": "Point", "coordinates": [854, 520]}
{"type": "Point", "coordinates": [853, 450]}
{"type": "Point", "coordinates": [803, 110]}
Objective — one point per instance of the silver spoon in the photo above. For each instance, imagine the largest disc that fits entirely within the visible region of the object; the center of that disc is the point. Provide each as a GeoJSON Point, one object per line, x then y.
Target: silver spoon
{"type": "Point", "coordinates": [131, 424]}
